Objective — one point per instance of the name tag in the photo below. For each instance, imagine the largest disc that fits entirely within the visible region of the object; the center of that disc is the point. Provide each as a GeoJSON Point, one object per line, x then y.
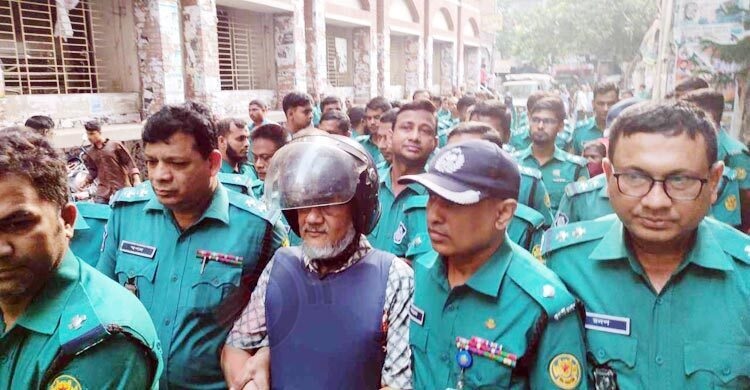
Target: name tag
{"type": "Point", "coordinates": [416, 314]}
{"type": "Point", "coordinates": [606, 323]}
{"type": "Point", "coordinates": [137, 249]}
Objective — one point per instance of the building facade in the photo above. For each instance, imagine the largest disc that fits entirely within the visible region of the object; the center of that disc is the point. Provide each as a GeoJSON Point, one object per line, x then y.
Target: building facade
{"type": "Point", "coordinates": [122, 60]}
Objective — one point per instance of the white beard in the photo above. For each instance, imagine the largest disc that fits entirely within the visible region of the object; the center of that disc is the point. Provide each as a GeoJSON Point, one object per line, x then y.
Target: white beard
{"type": "Point", "coordinates": [329, 250]}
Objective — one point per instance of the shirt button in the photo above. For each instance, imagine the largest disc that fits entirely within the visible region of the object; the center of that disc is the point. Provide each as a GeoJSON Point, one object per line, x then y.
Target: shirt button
{"type": "Point", "coordinates": [659, 301]}
{"type": "Point", "coordinates": [444, 357]}
{"type": "Point", "coordinates": [600, 353]}
{"type": "Point", "coordinates": [659, 360]}
{"type": "Point", "coordinates": [726, 370]}
{"type": "Point", "coordinates": [167, 322]}
{"type": "Point", "coordinates": [174, 278]}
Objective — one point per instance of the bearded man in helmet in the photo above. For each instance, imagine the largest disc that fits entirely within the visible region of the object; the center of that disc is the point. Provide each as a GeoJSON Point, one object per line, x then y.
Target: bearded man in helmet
{"type": "Point", "coordinates": [332, 312]}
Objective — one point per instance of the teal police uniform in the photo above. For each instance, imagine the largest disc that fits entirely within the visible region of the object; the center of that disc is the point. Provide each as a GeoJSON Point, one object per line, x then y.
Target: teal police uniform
{"type": "Point", "coordinates": [563, 168]}
{"type": "Point", "coordinates": [691, 335]}
{"type": "Point", "coordinates": [235, 182]}
{"type": "Point", "coordinates": [371, 148]}
{"type": "Point", "coordinates": [244, 169]}
{"type": "Point", "coordinates": [81, 331]}
{"type": "Point", "coordinates": [585, 131]}
{"type": "Point", "coordinates": [250, 127]}
{"type": "Point", "coordinates": [193, 282]}
{"type": "Point", "coordinates": [533, 193]}
{"type": "Point", "coordinates": [520, 137]}
{"type": "Point", "coordinates": [403, 218]}
{"type": "Point", "coordinates": [588, 200]}
{"type": "Point", "coordinates": [88, 235]}
{"type": "Point", "coordinates": [511, 300]}
{"type": "Point", "coordinates": [444, 129]}
{"type": "Point", "coordinates": [736, 156]}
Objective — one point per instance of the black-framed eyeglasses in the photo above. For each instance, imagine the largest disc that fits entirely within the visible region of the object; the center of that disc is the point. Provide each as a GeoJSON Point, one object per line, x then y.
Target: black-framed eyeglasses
{"type": "Point", "coordinates": [677, 187]}
{"type": "Point", "coordinates": [544, 121]}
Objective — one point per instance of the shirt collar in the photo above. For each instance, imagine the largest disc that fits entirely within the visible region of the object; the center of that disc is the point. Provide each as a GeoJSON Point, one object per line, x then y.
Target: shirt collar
{"type": "Point", "coordinates": [44, 312]}
{"type": "Point", "coordinates": [80, 222]}
{"type": "Point", "coordinates": [218, 209]}
{"type": "Point", "coordinates": [487, 279]}
{"type": "Point", "coordinates": [558, 154]}
{"type": "Point", "coordinates": [523, 154]}
{"type": "Point", "coordinates": [706, 251]}
{"type": "Point", "coordinates": [385, 180]}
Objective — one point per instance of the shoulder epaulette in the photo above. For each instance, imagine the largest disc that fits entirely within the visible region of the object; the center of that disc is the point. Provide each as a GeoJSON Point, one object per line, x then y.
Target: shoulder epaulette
{"type": "Point", "coordinates": [234, 179]}
{"type": "Point", "coordinates": [139, 193]}
{"type": "Point", "coordinates": [578, 160]}
{"type": "Point", "coordinates": [416, 202]}
{"type": "Point", "coordinates": [255, 206]}
{"type": "Point", "coordinates": [80, 327]}
{"type": "Point", "coordinates": [733, 145]}
{"type": "Point", "coordinates": [542, 285]}
{"type": "Point", "coordinates": [528, 171]}
{"type": "Point", "coordinates": [733, 242]}
{"type": "Point", "coordinates": [533, 217]}
{"type": "Point", "coordinates": [579, 187]}
{"type": "Point", "coordinates": [94, 210]}
{"type": "Point", "coordinates": [729, 173]}
{"type": "Point", "coordinates": [585, 123]}
{"type": "Point", "coordinates": [574, 233]}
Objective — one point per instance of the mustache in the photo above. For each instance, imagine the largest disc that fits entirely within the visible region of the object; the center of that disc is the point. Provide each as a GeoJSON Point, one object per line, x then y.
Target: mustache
{"type": "Point", "coordinates": [308, 229]}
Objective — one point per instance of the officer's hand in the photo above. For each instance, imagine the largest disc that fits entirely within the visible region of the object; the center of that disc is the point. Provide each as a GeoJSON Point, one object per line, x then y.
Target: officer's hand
{"type": "Point", "coordinates": [255, 372]}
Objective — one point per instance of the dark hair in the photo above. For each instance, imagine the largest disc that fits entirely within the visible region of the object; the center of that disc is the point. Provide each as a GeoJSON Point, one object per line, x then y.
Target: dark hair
{"type": "Point", "coordinates": [602, 88]}
{"type": "Point", "coordinates": [669, 119]}
{"type": "Point", "coordinates": [344, 125]}
{"type": "Point", "coordinates": [295, 99]}
{"type": "Point", "coordinates": [690, 84]}
{"type": "Point", "coordinates": [485, 131]}
{"type": "Point", "coordinates": [599, 145]}
{"type": "Point", "coordinates": [534, 97]}
{"type": "Point", "coordinates": [493, 109]}
{"type": "Point", "coordinates": [330, 99]}
{"type": "Point", "coordinates": [356, 115]}
{"type": "Point", "coordinates": [92, 125]}
{"type": "Point", "coordinates": [437, 100]}
{"type": "Point", "coordinates": [41, 123]}
{"type": "Point", "coordinates": [418, 105]}
{"type": "Point", "coordinates": [378, 103]}
{"type": "Point", "coordinates": [272, 132]}
{"type": "Point", "coordinates": [185, 119]}
{"type": "Point", "coordinates": [389, 116]}
{"type": "Point", "coordinates": [258, 102]}
{"type": "Point", "coordinates": [222, 126]}
{"type": "Point", "coordinates": [202, 109]}
{"type": "Point", "coordinates": [396, 104]}
{"type": "Point", "coordinates": [552, 103]}
{"type": "Point", "coordinates": [465, 102]}
{"type": "Point", "coordinates": [708, 100]}
{"type": "Point", "coordinates": [28, 154]}
{"type": "Point", "coordinates": [429, 95]}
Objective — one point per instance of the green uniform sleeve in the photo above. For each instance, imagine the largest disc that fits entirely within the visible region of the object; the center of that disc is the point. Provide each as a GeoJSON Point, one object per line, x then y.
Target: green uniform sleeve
{"type": "Point", "coordinates": [542, 203]}
{"type": "Point", "coordinates": [561, 356]}
{"type": "Point", "coordinates": [116, 363]}
{"type": "Point", "coordinates": [279, 237]}
{"type": "Point", "coordinates": [564, 214]}
{"type": "Point", "coordinates": [106, 264]}
{"type": "Point", "coordinates": [741, 163]}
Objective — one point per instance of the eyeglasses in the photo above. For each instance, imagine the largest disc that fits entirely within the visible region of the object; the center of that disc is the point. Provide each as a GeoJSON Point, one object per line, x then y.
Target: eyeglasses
{"type": "Point", "coordinates": [544, 121]}
{"type": "Point", "coordinates": [677, 187]}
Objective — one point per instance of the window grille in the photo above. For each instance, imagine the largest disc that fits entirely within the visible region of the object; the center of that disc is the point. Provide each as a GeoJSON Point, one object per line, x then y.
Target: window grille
{"type": "Point", "coordinates": [241, 50]}
{"type": "Point", "coordinates": [334, 77]}
{"type": "Point", "coordinates": [34, 61]}
{"type": "Point", "coordinates": [398, 75]}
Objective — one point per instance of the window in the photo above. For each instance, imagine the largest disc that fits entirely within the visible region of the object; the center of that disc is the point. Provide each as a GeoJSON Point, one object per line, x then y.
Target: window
{"type": "Point", "coordinates": [241, 50]}
{"type": "Point", "coordinates": [337, 55]}
{"type": "Point", "coordinates": [34, 61]}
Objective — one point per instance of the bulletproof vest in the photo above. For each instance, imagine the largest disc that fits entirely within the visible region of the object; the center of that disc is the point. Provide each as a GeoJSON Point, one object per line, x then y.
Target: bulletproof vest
{"type": "Point", "coordinates": [326, 333]}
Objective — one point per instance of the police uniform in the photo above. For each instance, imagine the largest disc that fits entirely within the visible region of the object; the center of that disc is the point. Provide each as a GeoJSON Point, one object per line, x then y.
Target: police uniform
{"type": "Point", "coordinates": [512, 301]}
{"type": "Point", "coordinates": [444, 130]}
{"type": "Point", "coordinates": [371, 148]}
{"type": "Point", "coordinates": [583, 201]}
{"type": "Point", "coordinates": [736, 156]}
{"type": "Point", "coordinates": [81, 331]}
{"type": "Point", "coordinates": [403, 218]}
{"type": "Point", "coordinates": [533, 193]}
{"type": "Point", "coordinates": [585, 131]}
{"type": "Point", "coordinates": [675, 339]}
{"type": "Point", "coordinates": [235, 182]}
{"type": "Point", "coordinates": [520, 137]}
{"type": "Point", "coordinates": [193, 282]}
{"type": "Point", "coordinates": [561, 169]}
{"type": "Point", "coordinates": [243, 169]}
{"type": "Point", "coordinates": [588, 200]}
{"type": "Point", "coordinates": [89, 231]}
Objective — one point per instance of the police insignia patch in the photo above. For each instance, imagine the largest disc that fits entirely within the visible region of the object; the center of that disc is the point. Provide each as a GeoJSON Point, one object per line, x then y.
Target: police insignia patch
{"type": "Point", "coordinates": [536, 251]}
{"type": "Point", "coordinates": [65, 382]}
{"type": "Point", "coordinates": [741, 173]}
{"type": "Point", "coordinates": [547, 200]}
{"type": "Point", "coordinates": [450, 162]}
{"type": "Point", "coordinates": [565, 371]}
{"type": "Point", "coordinates": [730, 203]}
{"type": "Point", "coordinates": [399, 234]}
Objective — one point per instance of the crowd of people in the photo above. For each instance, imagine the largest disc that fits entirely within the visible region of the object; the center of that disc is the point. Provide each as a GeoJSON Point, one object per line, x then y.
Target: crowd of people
{"type": "Point", "coordinates": [436, 243]}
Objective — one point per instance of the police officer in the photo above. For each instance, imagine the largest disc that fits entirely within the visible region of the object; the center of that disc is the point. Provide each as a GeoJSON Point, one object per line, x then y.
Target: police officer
{"type": "Point", "coordinates": [89, 231]}
{"type": "Point", "coordinates": [234, 144]}
{"type": "Point", "coordinates": [486, 314]}
{"type": "Point", "coordinates": [374, 109]}
{"type": "Point", "coordinates": [402, 205]}
{"type": "Point", "coordinates": [671, 267]}
{"type": "Point", "coordinates": [734, 154]}
{"type": "Point", "coordinates": [333, 311]}
{"type": "Point", "coordinates": [558, 167]}
{"type": "Point", "coordinates": [605, 95]}
{"type": "Point", "coordinates": [62, 324]}
{"type": "Point", "coordinates": [187, 247]}
{"type": "Point", "coordinates": [520, 136]}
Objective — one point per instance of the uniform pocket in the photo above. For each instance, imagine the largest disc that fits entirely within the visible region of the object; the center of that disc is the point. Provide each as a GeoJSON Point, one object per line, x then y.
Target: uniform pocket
{"type": "Point", "coordinates": [719, 366]}
{"type": "Point", "coordinates": [137, 273]}
{"type": "Point", "coordinates": [216, 283]}
{"type": "Point", "coordinates": [612, 349]}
